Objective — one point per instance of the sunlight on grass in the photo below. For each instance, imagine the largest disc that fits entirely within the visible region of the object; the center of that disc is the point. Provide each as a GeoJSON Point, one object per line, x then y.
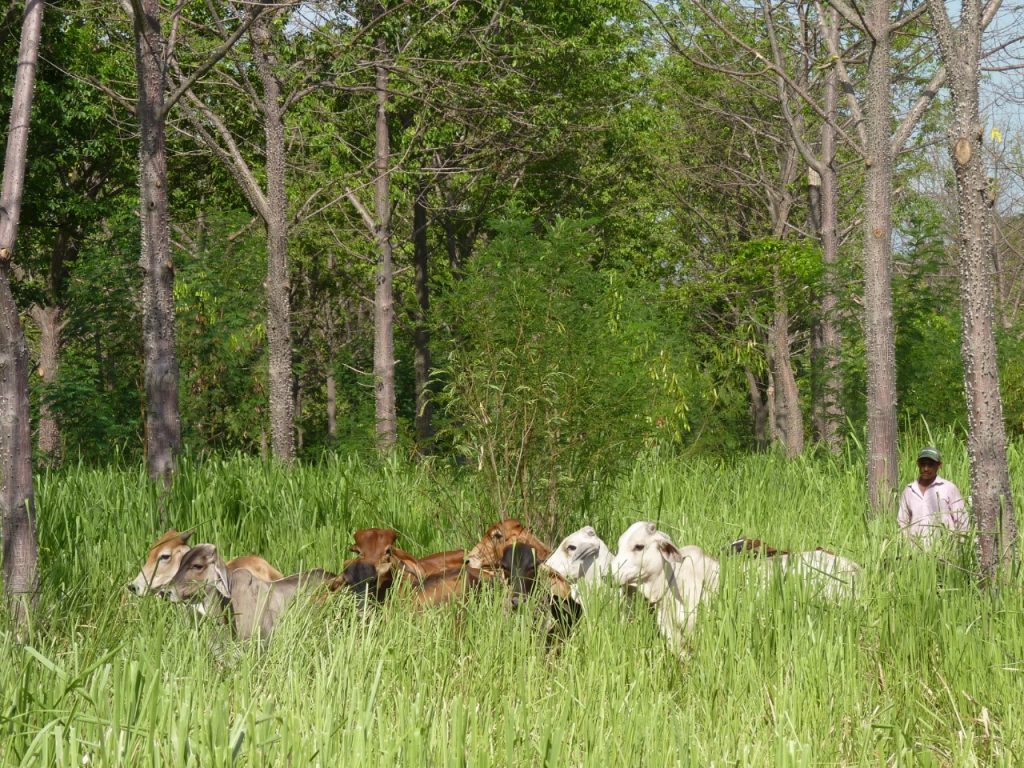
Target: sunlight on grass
{"type": "Point", "coordinates": [919, 668]}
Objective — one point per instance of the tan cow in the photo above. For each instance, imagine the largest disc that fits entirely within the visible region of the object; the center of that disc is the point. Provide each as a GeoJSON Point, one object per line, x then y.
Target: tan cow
{"type": "Point", "coordinates": [486, 555]}
{"type": "Point", "coordinates": [165, 556]}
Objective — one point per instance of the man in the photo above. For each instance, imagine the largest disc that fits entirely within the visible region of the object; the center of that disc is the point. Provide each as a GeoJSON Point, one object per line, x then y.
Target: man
{"type": "Point", "coordinates": [930, 503]}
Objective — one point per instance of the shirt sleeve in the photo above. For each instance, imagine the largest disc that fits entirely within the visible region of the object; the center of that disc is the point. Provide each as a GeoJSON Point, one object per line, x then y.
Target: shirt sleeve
{"type": "Point", "coordinates": [903, 515]}
{"type": "Point", "coordinates": [956, 514]}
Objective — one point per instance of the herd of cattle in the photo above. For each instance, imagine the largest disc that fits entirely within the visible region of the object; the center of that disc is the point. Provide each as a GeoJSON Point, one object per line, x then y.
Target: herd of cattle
{"type": "Point", "coordinates": [672, 580]}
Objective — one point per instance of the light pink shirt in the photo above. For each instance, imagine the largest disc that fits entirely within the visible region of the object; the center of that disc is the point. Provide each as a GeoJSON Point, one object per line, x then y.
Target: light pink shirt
{"type": "Point", "coordinates": [923, 514]}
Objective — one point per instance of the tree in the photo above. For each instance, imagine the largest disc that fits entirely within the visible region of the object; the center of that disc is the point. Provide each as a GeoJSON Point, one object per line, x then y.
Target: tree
{"type": "Point", "coordinates": [960, 47]}
{"type": "Point", "coordinates": [152, 55]}
{"type": "Point", "coordinates": [17, 505]}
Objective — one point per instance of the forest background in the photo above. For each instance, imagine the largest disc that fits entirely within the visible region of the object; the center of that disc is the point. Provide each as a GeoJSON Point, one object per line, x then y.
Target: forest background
{"type": "Point", "coordinates": [533, 240]}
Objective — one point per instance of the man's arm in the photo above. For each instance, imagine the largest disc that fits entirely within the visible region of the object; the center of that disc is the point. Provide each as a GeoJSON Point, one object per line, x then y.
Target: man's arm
{"type": "Point", "coordinates": [956, 516]}
{"type": "Point", "coordinates": [903, 516]}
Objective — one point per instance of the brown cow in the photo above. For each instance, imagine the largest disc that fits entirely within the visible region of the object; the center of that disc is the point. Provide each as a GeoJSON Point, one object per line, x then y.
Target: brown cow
{"type": "Point", "coordinates": [428, 587]}
{"type": "Point", "coordinates": [487, 554]}
{"type": "Point", "coordinates": [374, 544]}
{"type": "Point", "coordinates": [165, 556]}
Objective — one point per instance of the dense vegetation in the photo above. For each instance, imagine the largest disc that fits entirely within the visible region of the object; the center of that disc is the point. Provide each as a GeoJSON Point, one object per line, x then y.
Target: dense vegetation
{"type": "Point", "coordinates": [920, 668]}
{"type": "Point", "coordinates": [434, 264]}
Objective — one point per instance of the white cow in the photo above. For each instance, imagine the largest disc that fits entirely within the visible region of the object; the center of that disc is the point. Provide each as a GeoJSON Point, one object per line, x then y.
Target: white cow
{"type": "Point", "coordinates": [582, 559]}
{"type": "Point", "coordinates": [672, 579]}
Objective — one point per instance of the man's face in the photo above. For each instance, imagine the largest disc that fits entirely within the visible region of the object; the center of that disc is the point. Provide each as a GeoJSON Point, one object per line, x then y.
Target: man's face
{"type": "Point", "coordinates": [927, 470]}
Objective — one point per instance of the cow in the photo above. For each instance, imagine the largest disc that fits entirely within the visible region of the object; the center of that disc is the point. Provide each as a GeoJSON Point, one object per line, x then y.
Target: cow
{"type": "Point", "coordinates": [431, 585]}
{"type": "Point", "coordinates": [673, 580]}
{"type": "Point", "coordinates": [374, 544]}
{"type": "Point", "coordinates": [165, 556]}
{"type": "Point", "coordinates": [830, 575]}
{"type": "Point", "coordinates": [486, 555]}
{"type": "Point", "coordinates": [256, 605]}
{"type": "Point", "coordinates": [519, 564]}
{"type": "Point", "coordinates": [582, 559]}
{"type": "Point", "coordinates": [753, 547]}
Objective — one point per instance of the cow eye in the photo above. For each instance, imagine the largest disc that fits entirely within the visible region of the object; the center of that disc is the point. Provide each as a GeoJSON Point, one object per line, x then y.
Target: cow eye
{"type": "Point", "coordinates": [638, 548]}
{"type": "Point", "coordinates": [571, 548]}
{"type": "Point", "coordinates": [165, 556]}
{"type": "Point", "coordinates": [496, 535]}
{"type": "Point", "coordinates": [196, 566]}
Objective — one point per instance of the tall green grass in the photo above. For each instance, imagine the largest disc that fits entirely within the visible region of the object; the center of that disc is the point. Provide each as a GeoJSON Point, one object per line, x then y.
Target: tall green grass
{"type": "Point", "coordinates": [919, 669]}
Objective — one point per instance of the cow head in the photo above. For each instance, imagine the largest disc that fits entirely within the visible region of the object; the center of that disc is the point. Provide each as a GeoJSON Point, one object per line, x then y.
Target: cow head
{"type": "Point", "coordinates": [162, 562]}
{"type": "Point", "coordinates": [519, 566]}
{"type": "Point", "coordinates": [643, 553]}
{"type": "Point", "coordinates": [581, 556]}
{"type": "Point", "coordinates": [202, 569]}
{"type": "Point", "coordinates": [487, 553]}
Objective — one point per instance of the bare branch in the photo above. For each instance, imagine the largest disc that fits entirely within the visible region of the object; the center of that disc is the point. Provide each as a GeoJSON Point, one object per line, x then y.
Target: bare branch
{"type": "Point", "coordinates": [368, 220]}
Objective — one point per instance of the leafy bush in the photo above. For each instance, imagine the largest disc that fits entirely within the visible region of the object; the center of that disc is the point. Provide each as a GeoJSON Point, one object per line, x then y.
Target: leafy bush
{"type": "Point", "coordinates": [556, 369]}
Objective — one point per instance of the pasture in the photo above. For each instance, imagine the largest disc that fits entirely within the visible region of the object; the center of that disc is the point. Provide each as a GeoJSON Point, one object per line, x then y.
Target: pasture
{"type": "Point", "coordinates": [920, 668]}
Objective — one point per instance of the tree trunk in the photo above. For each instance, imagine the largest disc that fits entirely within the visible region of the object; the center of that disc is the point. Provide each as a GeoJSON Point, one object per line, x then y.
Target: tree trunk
{"type": "Point", "coordinates": [332, 407]}
{"type": "Point", "coordinates": [163, 427]}
{"type": "Point", "coordinates": [50, 324]}
{"type": "Point", "coordinates": [17, 504]}
{"type": "Point", "coordinates": [758, 411]}
{"type": "Point", "coordinates": [990, 481]}
{"type": "Point", "coordinates": [829, 382]}
{"type": "Point", "coordinates": [279, 343]}
{"type": "Point", "coordinates": [879, 333]}
{"type": "Point", "coordinates": [789, 428]}
{"type": "Point", "coordinates": [424, 404]}
{"type": "Point", "coordinates": [383, 305]}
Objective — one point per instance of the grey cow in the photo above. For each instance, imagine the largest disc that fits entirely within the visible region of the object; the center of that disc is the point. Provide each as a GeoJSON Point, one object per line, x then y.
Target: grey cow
{"type": "Point", "coordinates": [256, 605]}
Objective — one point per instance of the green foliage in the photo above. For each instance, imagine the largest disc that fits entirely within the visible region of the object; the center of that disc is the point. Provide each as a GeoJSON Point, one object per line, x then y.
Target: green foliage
{"type": "Point", "coordinates": [556, 370]}
{"type": "Point", "coordinates": [98, 392]}
{"type": "Point", "coordinates": [221, 336]}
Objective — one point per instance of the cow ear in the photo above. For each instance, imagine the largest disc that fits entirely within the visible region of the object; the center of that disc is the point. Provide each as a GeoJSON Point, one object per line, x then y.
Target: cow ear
{"type": "Point", "coordinates": [221, 580]}
{"type": "Point", "coordinates": [670, 551]}
{"type": "Point", "coordinates": [589, 531]}
{"type": "Point", "coordinates": [185, 536]}
{"type": "Point", "coordinates": [651, 528]}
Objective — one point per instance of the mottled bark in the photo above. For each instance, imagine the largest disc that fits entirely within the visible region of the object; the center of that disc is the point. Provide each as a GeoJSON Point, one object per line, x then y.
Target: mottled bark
{"type": "Point", "coordinates": [421, 341]}
{"type": "Point", "coordinates": [789, 425]}
{"type": "Point", "coordinates": [879, 330]}
{"type": "Point", "coordinates": [17, 501]}
{"type": "Point", "coordinates": [163, 427]}
{"type": "Point", "coordinates": [383, 304]}
{"type": "Point", "coordinates": [279, 344]}
{"type": "Point", "coordinates": [992, 499]}
{"type": "Point", "coordinates": [48, 321]}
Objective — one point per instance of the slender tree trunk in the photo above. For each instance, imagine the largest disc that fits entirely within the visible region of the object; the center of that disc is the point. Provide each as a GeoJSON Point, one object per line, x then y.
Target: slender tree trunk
{"type": "Point", "coordinates": [279, 343]}
{"type": "Point", "coordinates": [828, 231]}
{"type": "Point", "coordinates": [332, 408]}
{"type": "Point", "coordinates": [424, 404]}
{"type": "Point", "coordinates": [383, 305]}
{"type": "Point", "coordinates": [879, 332]}
{"type": "Point", "coordinates": [758, 411]}
{"type": "Point", "coordinates": [163, 427]}
{"type": "Point", "coordinates": [17, 504]}
{"type": "Point", "coordinates": [50, 324]}
{"type": "Point", "coordinates": [993, 507]}
{"type": "Point", "coordinates": [789, 427]}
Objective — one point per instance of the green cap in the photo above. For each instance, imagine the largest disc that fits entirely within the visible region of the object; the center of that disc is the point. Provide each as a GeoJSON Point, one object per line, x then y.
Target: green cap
{"type": "Point", "coordinates": [930, 453]}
